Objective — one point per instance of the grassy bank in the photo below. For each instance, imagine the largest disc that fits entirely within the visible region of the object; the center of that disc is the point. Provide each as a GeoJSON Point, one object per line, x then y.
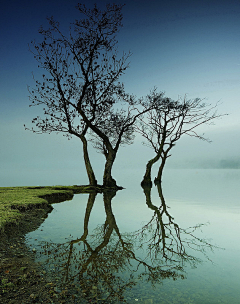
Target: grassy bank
{"type": "Point", "coordinates": [15, 201]}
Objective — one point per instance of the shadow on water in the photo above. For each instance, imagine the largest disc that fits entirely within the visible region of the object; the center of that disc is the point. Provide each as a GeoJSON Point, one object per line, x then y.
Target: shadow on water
{"type": "Point", "coordinates": [104, 265]}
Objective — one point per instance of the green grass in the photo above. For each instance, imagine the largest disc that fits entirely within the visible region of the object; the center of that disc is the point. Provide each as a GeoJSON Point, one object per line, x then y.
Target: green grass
{"type": "Point", "coordinates": [15, 200]}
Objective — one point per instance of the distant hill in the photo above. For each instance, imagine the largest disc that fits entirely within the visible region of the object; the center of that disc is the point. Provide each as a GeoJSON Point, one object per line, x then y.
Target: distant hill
{"type": "Point", "coordinates": [229, 164]}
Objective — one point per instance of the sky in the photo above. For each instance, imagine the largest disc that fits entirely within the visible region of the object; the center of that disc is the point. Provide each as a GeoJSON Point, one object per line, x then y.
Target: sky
{"type": "Point", "coordinates": [180, 47]}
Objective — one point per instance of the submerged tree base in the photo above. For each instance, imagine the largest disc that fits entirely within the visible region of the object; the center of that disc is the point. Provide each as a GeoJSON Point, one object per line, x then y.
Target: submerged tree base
{"type": "Point", "coordinates": [146, 183]}
{"type": "Point", "coordinates": [102, 188]}
{"type": "Point", "coordinates": [157, 181]}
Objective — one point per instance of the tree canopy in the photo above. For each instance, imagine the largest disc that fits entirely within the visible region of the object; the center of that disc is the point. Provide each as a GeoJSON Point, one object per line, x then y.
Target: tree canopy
{"type": "Point", "coordinates": [167, 122]}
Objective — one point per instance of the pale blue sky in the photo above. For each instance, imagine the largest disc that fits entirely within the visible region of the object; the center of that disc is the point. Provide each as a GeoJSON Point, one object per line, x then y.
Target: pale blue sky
{"type": "Point", "coordinates": [182, 47]}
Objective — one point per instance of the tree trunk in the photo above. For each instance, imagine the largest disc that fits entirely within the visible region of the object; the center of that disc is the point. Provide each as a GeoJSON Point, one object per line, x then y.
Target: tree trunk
{"type": "Point", "coordinates": [164, 206]}
{"type": "Point", "coordinates": [90, 203]}
{"type": "Point", "coordinates": [90, 173]}
{"type": "Point", "coordinates": [147, 177]}
{"type": "Point", "coordinates": [158, 179]}
{"type": "Point", "coordinates": [147, 192]}
{"type": "Point", "coordinates": [108, 181]}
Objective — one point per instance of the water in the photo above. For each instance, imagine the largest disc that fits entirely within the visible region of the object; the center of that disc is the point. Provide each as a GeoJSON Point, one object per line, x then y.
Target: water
{"type": "Point", "coordinates": [103, 258]}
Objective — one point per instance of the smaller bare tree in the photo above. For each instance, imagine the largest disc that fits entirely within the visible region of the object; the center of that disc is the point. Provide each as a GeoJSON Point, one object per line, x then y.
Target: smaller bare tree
{"type": "Point", "coordinates": [167, 122]}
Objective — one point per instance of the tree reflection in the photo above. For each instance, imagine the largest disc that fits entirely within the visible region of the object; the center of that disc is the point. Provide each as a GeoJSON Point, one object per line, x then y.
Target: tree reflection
{"type": "Point", "coordinates": [167, 240]}
{"type": "Point", "coordinates": [105, 263]}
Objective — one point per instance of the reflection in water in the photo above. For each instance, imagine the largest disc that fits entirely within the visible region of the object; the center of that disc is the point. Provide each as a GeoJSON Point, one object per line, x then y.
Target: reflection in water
{"type": "Point", "coordinates": [166, 240]}
{"type": "Point", "coordinates": [105, 264]}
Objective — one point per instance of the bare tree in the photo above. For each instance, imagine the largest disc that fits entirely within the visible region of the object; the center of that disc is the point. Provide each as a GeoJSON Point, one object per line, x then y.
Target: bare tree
{"type": "Point", "coordinates": [80, 85]}
{"type": "Point", "coordinates": [167, 122]}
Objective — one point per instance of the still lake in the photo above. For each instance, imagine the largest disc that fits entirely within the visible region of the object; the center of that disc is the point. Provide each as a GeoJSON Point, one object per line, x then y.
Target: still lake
{"type": "Point", "coordinates": [139, 247]}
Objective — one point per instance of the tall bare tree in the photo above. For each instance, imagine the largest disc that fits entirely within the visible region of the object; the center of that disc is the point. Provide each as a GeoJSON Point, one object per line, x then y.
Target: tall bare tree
{"type": "Point", "coordinates": [167, 122]}
{"type": "Point", "coordinates": [80, 85]}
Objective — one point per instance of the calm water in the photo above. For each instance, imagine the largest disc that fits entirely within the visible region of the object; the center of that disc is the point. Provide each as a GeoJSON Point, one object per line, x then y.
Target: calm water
{"type": "Point", "coordinates": [138, 246]}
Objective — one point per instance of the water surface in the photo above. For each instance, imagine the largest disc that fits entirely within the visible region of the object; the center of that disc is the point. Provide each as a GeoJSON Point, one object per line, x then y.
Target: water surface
{"type": "Point", "coordinates": [95, 241]}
